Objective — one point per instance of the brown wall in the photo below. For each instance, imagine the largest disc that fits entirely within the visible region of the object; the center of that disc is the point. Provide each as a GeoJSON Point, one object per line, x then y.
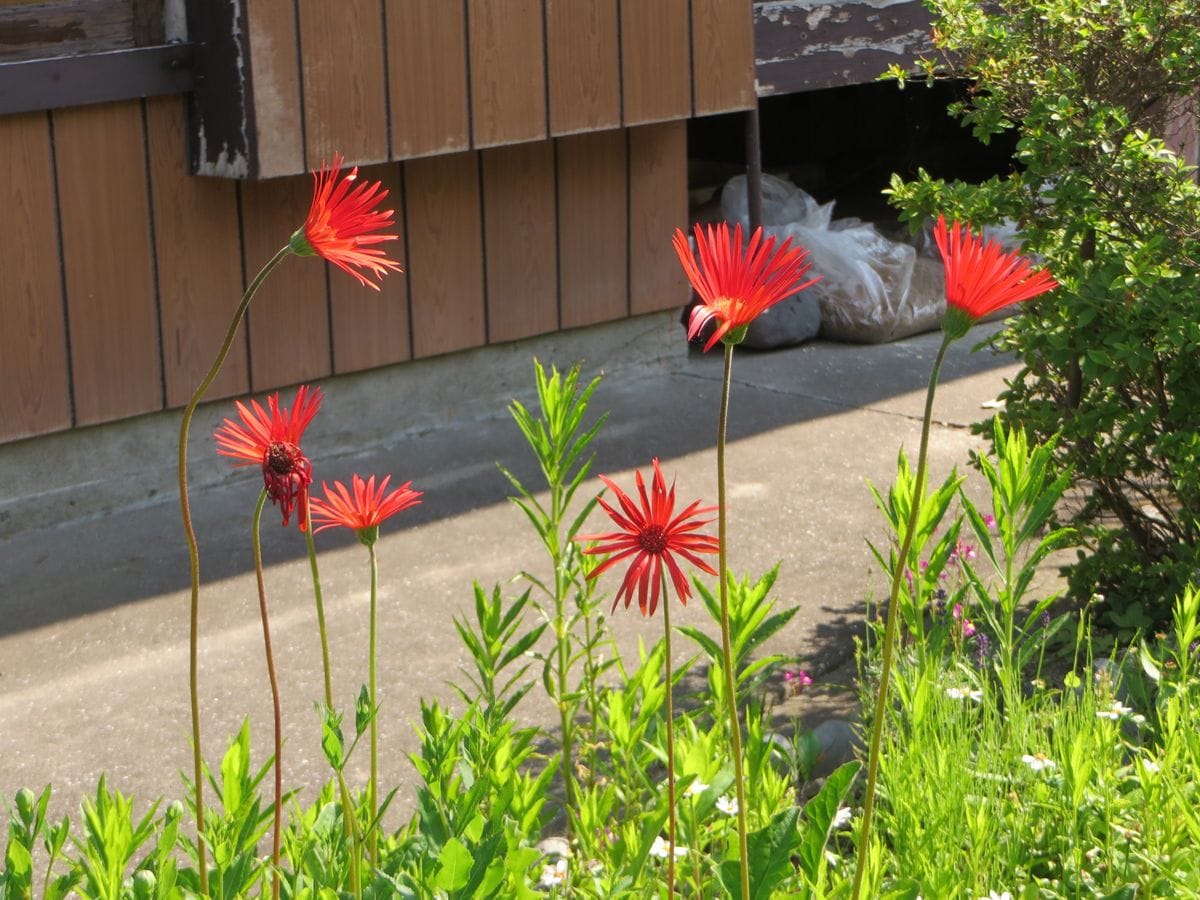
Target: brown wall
{"type": "Point", "coordinates": [385, 80]}
{"type": "Point", "coordinates": [119, 271]}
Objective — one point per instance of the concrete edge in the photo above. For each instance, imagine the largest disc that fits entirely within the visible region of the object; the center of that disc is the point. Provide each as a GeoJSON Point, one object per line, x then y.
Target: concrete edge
{"type": "Point", "coordinates": [92, 471]}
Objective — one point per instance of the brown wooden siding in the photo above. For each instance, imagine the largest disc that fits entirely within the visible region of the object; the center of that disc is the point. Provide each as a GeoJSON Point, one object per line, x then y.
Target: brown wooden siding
{"type": "Point", "coordinates": [445, 76]}
{"type": "Point", "coordinates": [120, 270]}
{"type": "Point", "coordinates": [33, 340]}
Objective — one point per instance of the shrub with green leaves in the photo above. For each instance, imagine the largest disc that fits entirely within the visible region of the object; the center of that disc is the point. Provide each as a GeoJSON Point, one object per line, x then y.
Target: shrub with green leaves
{"type": "Point", "coordinates": [1090, 87]}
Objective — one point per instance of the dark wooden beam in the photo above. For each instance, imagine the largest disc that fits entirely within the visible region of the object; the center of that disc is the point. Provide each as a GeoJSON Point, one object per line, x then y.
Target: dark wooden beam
{"type": "Point", "coordinates": [799, 46]}
{"type": "Point", "coordinates": [34, 84]}
{"type": "Point", "coordinates": [223, 131]}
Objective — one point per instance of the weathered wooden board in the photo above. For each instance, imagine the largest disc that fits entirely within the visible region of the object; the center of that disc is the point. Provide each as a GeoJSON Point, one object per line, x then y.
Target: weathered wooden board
{"type": "Point", "coordinates": [64, 27]}
{"type": "Point", "coordinates": [104, 209]}
{"type": "Point", "coordinates": [33, 340]}
{"type": "Point", "coordinates": [520, 241]}
{"type": "Point", "coordinates": [582, 43]}
{"type": "Point", "coordinates": [345, 102]}
{"type": "Point", "coordinates": [508, 71]}
{"type": "Point", "coordinates": [427, 72]}
{"type": "Point", "coordinates": [657, 206]}
{"type": "Point", "coordinates": [803, 45]}
{"type": "Point", "coordinates": [277, 142]}
{"type": "Point", "coordinates": [656, 80]}
{"type": "Point", "coordinates": [593, 224]}
{"type": "Point", "coordinates": [370, 328]}
{"type": "Point", "coordinates": [445, 253]}
{"type": "Point", "coordinates": [199, 261]}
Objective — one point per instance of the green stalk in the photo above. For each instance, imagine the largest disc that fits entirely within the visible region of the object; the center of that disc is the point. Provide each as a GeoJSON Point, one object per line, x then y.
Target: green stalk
{"type": "Point", "coordinates": [735, 727]}
{"type": "Point", "coordinates": [373, 788]}
{"type": "Point", "coordinates": [256, 539]}
{"type": "Point", "coordinates": [889, 629]}
{"type": "Point", "coordinates": [194, 554]}
{"type": "Point", "coordinates": [348, 809]}
{"type": "Point", "coordinates": [670, 740]}
{"type": "Point", "coordinates": [563, 650]}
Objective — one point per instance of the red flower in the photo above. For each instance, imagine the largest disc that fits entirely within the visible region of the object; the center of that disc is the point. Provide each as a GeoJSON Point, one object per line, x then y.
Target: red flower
{"type": "Point", "coordinates": [342, 224]}
{"type": "Point", "coordinates": [981, 279]}
{"type": "Point", "coordinates": [272, 440]}
{"type": "Point", "coordinates": [363, 509]}
{"type": "Point", "coordinates": [651, 535]}
{"type": "Point", "coordinates": [735, 284]}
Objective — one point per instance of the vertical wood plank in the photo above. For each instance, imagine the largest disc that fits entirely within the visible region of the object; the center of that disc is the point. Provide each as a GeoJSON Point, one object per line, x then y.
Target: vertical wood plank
{"type": "Point", "coordinates": [508, 75]}
{"type": "Point", "coordinates": [33, 338]}
{"type": "Point", "coordinates": [592, 228]}
{"type": "Point", "coordinates": [427, 77]}
{"type": "Point", "coordinates": [657, 206]}
{"type": "Point", "coordinates": [105, 217]}
{"type": "Point", "coordinates": [289, 318]}
{"type": "Point", "coordinates": [445, 253]}
{"type": "Point", "coordinates": [722, 56]}
{"type": "Point", "coordinates": [345, 107]}
{"type": "Point", "coordinates": [582, 43]}
{"type": "Point", "coordinates": [199, 260]}
{"type": "Point", "coordinates": [370, 328]}
{"type": "Point", "coordinates": [655, 60]}
{"type": "Point", "coordinates": [274, 68]}
{"type": "Point", "coordinates": [520, 241]}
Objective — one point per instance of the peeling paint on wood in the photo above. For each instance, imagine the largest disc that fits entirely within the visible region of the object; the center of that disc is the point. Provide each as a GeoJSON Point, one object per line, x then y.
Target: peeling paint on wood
{"type": "Point", "coordinates": [804, 45]}
{"type": "Point", "coordinates": [64, 28]}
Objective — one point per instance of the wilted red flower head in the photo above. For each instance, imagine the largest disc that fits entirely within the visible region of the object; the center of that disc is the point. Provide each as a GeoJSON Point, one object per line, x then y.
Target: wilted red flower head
{"type": "Point", "coordinates": [734, 282]}
{"type": "Point", "coordinates": [650, 534]}
{"type": "Point", "coordinates": [343, 223]}
{"type": "Point", "coordinates": [271, 438]}
{"type": "Point", "coordinates": [363, 507]}
{"type": "Point", "coordinates": [981, 278]}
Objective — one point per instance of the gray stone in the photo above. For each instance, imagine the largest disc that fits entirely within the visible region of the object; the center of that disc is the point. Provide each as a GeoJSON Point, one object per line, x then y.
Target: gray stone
{"type": "Point", "coordinates": [839, 743]}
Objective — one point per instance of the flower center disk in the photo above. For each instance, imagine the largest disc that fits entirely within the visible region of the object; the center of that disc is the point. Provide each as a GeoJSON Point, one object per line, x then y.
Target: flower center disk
{"type": "Point", "coordinates": [653, 539]}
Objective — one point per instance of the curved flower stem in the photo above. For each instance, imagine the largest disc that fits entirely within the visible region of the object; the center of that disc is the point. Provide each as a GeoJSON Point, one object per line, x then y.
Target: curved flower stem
{"type": "Point", "coordinates": [373, 787]}
{"type": "Point", "coordinates": [349, 817]}
{"type": "Point", "coordinates": [262, 607]}
{"type": "Point", "coordinates": [671, 826]}
{"type": "Point", "coordinates": [735, 727]}
{"type": "Point", "coordinates": [890, 627]}
{"type": "Point", "coordinates": [194, 553]}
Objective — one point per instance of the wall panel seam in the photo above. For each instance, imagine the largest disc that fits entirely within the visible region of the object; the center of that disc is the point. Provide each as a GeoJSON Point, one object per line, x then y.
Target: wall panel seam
{"type": "Point", "coordinates": [402, 209]}
{"type": "Point", "coordinates": [154, 275]}
{"type": "Point", "coordinates": [62, 272]}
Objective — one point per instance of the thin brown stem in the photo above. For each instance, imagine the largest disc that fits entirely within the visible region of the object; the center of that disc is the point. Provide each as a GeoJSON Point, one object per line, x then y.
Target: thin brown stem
{"type": "Point", "coordinates": [256, 539]}
{"type": "Point", "coordinates": [194, 556]}
{"type": "Point", "coordinates": [735, 726]}
{"type": "Point", "coordinates": [890, 626]}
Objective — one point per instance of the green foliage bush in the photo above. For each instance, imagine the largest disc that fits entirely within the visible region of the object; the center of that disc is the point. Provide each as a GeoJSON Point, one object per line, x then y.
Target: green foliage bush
{"type": "Point", "coordinates": [1109, 359]}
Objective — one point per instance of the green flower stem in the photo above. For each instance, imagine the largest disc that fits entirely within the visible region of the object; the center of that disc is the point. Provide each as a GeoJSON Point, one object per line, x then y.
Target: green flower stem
{"type": "Point", "coordinates": [735, 727]}
{"type": "Point", "coordinates": [671, 825]}
{"type": "Point", "coordinates": [373, 787]}
{"type": "Point", "coordinates": [194, 555]}
{"type": "Point", "coordinates": [256, 539]}
{"type": "Point", "coordinates": [889, 629]}
{"type": "Point", "coordinates": [348, 815]}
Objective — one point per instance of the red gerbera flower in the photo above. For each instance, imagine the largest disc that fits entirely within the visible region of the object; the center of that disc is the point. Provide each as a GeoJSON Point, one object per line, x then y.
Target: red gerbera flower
{"type": "Point", "coordinates": [736, 283]}
{"type": "Point", "coordinates": [342, 223]}
{"type": "Point", "coordinates": [363, 508]}
{"type": "Point", "coordinates": [271, 439]}
{"type": "Point", "coordinates": [981, 278]}
{"type": "Point", "coordinates": [651, 535]}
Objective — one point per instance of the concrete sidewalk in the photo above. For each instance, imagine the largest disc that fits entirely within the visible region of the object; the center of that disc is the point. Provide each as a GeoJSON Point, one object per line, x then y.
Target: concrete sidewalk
{"type": "Point", "coordinates": [93, 611]}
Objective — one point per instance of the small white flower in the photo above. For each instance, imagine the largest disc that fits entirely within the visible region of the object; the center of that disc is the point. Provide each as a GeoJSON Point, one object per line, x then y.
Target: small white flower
{"type": "Point", "coordinates": [1039, 761]}
{"type": "Point", "coordinates": [727, 805]}
{"type": "Point", "coordinates": [695, 789]}
{"type": "Point", "coordinates": [992, 895]}
{"type": "Point", "coordinates": [553, 874]}
{"type": "Point", "coordinates": [962, 693]}
{"type": "Point", "coordinates": [842, 818]}
{"type": "Point", "coordinates": [1149, 765]}
{"type": "Point", "coordinates": [1114, 712]}
{"type": "Point", "coordinates": [659, 848]}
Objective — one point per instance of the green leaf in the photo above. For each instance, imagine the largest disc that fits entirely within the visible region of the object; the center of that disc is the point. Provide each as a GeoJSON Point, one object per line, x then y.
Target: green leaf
{"type": "Point", "coordinates": [819, 813]}
{"type": "Point", "coordinates": [454, 863]}
{"type": "Point", "coordinates": [770, 850]}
